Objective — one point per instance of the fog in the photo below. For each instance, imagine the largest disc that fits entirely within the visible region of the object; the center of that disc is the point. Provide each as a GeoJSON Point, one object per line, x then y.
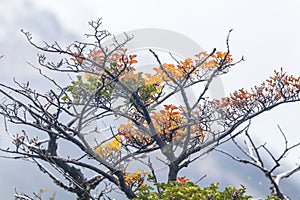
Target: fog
{"type": "Point", "coordinates": [266, 33]}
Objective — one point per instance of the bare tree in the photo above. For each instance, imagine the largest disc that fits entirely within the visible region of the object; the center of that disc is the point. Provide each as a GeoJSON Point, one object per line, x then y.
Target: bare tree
{"type": "Point", "coordinates": [254, 156]}
{"type": "Point", "coordinates": [105, 84]}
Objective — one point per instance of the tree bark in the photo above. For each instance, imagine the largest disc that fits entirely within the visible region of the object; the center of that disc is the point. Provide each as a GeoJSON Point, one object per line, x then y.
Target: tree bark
{"type": "Point", "coordinates": [124, 187]}
{"type": "Point", "coordinates": [173, 171]}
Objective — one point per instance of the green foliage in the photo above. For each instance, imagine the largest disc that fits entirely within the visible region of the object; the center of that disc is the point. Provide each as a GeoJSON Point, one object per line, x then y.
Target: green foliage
{"type": "Point", "coordinates": [190, 191]}
{"type": "Point", "coordinates": [82, 90]}
{"type": "Point", "coordinates": [271, 197]}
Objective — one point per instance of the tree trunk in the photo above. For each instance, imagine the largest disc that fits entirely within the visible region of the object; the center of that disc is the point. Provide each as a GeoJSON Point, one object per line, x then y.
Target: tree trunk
{"type": "Point", "coordinates": [173, 171]}
{"type": "Point", "coordinates": [83, 196]}
{"type": "Point", "coordinates": [124, 187]}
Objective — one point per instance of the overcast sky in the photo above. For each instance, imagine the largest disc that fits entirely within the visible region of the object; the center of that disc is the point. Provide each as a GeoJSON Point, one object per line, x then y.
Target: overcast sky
{"type": "Point", "coordinates": [266, 33]}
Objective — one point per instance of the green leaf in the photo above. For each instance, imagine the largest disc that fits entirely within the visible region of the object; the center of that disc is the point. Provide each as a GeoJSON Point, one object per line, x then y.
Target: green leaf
{"type": "Point", "coordinates": [70, 88]}
{"type": "Point", "coordinates": [64, 98]}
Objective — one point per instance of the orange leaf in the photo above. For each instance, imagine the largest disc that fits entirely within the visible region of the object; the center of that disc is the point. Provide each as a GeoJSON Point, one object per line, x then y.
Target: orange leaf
{"type": "Point", "coordinates": [132, 56]}
{"type": "Point", "coordinates": [183, 179]}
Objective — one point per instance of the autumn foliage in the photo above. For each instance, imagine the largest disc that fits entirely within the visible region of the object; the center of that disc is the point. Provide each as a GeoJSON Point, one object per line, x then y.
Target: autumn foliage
{"type": "Point", "coordinates": [179, 126]}
{"type": "Point", "coordinates": [172, 122]}
{"type": "Point", "coordinates": [151, 127]}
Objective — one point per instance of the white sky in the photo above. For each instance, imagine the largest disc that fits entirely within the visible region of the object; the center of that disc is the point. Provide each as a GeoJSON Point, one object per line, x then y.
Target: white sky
{"type": "Point", "coordinates": [265, 32]}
